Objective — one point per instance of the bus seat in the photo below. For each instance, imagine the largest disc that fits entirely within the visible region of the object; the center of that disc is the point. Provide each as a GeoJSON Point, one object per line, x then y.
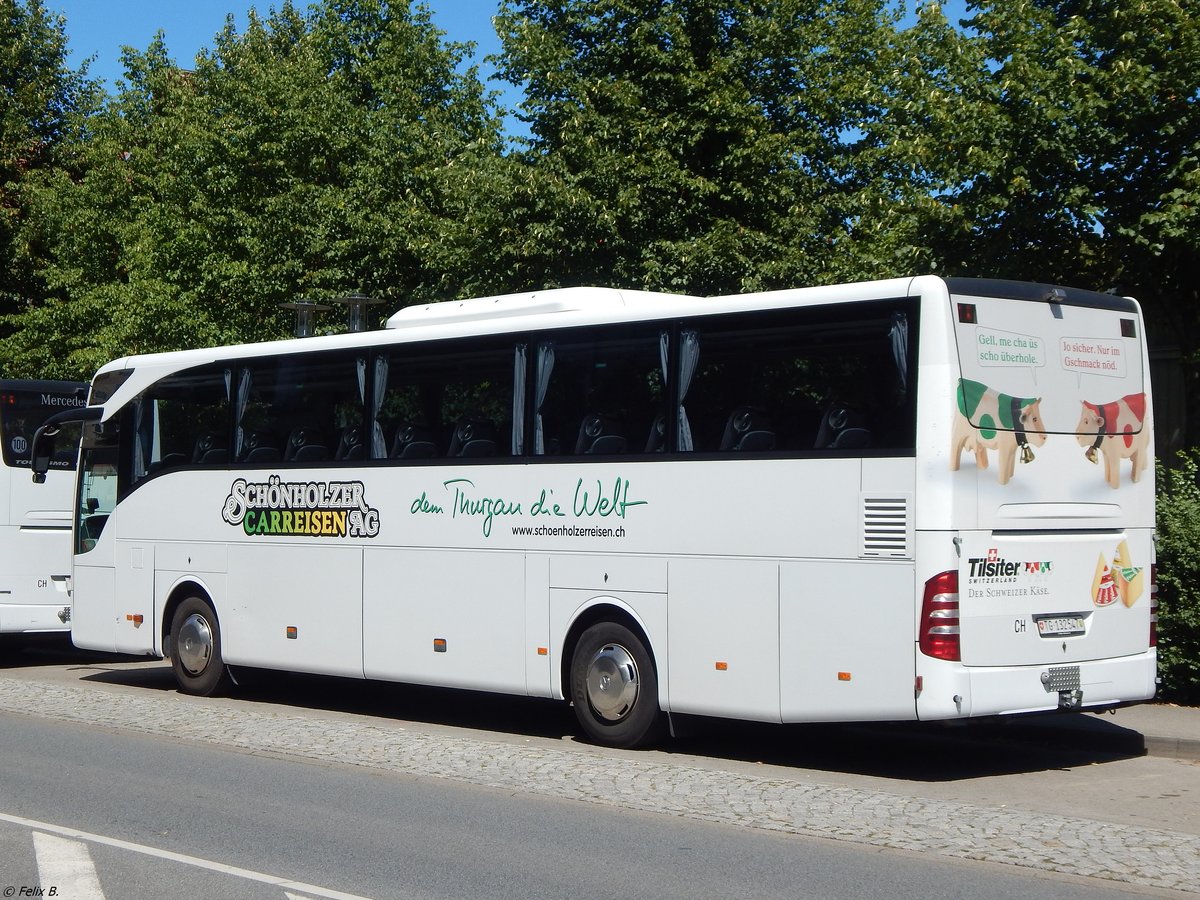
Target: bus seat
{"type": "Point", "coordinates": [210, 450]}
{"type": "Point", "coordinates": [413, 441]}
{"type": "Point", "coordinates": [852, 439]}
{"type": "Point", "coordinates": [350, 444]}
{"type": "Point", "coordinates": [748, 430]}
{"type": "Point", "coordinates": [170, 461]}
{"type": "Point", "coordinates": [260, 448]}
{"type": "Point", "coordinates": [600, 434]}
{"type": "Point", "coordinates": [842, 428]}
{"type": "Point", "coordinates": [656, 440]}
{"type": "Point", "coordinates": [473, 438]}
{"type": "Point", "coordinates": [305, 444]}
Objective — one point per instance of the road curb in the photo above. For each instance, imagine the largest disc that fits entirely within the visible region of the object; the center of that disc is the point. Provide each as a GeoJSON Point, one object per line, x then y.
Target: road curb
{"type": "Point", "coordinates": [1184, 749]}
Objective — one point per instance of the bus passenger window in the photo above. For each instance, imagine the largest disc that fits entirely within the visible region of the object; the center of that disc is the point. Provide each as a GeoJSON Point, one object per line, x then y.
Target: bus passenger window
{"type": "Point", "coordinates": [452, 400]}
{"type": "Point", "coordinates": [603, 395]}
{"type": "Point", "coordinates": [301, 409]}
{"type": "Point", "coordinates": [182, 420]}
{"type": "Point", "coordinates": [803, 380]}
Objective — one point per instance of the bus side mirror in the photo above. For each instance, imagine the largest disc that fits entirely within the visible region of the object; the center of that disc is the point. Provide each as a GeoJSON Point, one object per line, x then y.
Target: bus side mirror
{"type": "Point", "coordinates": [42, 452]}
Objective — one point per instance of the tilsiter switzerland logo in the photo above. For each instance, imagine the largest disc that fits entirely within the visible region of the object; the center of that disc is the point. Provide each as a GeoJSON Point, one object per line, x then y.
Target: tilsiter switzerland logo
{"type": "Point", "coordinates": [994, 567]}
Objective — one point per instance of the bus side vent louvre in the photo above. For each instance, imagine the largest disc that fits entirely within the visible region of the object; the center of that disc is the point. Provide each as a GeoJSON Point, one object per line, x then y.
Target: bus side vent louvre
{"type": "Point", "coordinates": [887, 530]}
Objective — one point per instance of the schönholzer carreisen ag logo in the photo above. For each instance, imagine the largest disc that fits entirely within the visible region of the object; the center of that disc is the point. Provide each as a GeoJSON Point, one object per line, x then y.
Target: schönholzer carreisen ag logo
{"type": "Point", "coordinates": [277, 508]}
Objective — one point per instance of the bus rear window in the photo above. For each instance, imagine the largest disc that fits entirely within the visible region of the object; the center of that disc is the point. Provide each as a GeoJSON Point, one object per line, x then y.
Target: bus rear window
{"type": "Point", "coordinates": [1080, 364]}
{"type": "Point", "coordinates": [22, 412]}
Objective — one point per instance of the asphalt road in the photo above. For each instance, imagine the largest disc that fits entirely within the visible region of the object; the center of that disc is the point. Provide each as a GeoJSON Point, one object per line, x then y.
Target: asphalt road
{"type": "Point", "coordinates": [372, 790]}
{"type": "Point", "coordinates": [339, 829]}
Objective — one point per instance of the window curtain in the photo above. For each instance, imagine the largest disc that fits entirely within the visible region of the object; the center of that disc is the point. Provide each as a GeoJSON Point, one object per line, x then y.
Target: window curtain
{"type": "Point", "coordinates": [141, 437]}
{"type": "Point", "coordinates": [378, 441]}
{"type": "Point", "coordinates": [899, 338]}
{"type": "Point", "coordinates": [689, 359]}
{"type": "Point", "coordinates": [518, 404]}
{"type": "Point", "coordinates": [243, 400]}
{"type": "Point", "coordinates": [545, 365]}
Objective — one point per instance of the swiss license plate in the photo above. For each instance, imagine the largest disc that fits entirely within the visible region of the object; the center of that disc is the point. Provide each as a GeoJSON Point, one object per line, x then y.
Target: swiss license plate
{"type": "Point", "coordinates": [1057, 626]}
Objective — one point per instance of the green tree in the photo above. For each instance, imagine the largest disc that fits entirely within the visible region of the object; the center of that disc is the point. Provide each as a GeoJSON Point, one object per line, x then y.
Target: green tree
{"type": "Point", "coordinates": [1178, 593]}
{"type": "Point", "coordinates": [41, 102]}
{"type": "Point", "coordinates": [697, 145]}
{"type": "Point", "coordinates": [1057, 140]}
{"type": "Point", "coordinates": [308, 155]}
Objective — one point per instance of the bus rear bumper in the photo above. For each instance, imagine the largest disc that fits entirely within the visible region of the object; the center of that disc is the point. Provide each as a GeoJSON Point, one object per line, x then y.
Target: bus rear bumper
{"type": "Point", "coordinates": [954, 691]}
{"type": "Point", "coordinates": [25, 619]}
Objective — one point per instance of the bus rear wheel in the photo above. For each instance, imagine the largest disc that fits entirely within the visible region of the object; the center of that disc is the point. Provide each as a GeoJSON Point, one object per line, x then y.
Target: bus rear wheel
{"type": "Point", "coordinates": [614, 687]}
{"type": "Point", "coordinates": [196, 649]}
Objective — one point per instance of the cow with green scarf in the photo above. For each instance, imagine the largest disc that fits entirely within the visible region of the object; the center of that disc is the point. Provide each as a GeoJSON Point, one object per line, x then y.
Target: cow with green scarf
{"type": "Point", "coordinates": [989, 420]}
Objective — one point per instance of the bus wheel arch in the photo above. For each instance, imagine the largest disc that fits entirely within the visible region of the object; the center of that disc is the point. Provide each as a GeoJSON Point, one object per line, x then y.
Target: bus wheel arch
{"type": "Point", "coordinates": [611, 676]}
{"type": "Point", "coordinates": [195, 642]}
{"type": "Point", "coordinates": [179, 592]}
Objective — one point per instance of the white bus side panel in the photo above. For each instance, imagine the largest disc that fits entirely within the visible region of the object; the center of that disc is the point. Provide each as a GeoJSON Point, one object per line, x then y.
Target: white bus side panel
{"type": "Point", "coordinates": [474, 602]}
{"type": "Point", "coordinates": [723, 618]}
{"type": "Point", "coordinates": [135, 597]}
{"type": "Point", "coordinates": [94, 623]}
{"type": "Point", "coordinates": [842, 628]}
{"type": "Point", "coordinates": [539, 670]}
{"type": "Point", "coordinates": [316, 590]}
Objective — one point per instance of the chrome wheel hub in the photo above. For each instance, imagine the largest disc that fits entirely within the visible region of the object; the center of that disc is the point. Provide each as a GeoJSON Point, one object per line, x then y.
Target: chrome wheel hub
{"type": "Point", "coordinates": [612, 682]}
{"type": "Point", "coordinates": [195, 646]}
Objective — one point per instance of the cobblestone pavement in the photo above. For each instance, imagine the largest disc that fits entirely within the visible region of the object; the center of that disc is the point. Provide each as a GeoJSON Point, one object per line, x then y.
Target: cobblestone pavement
{"type": "Point", "coordinates": [1148, 857]}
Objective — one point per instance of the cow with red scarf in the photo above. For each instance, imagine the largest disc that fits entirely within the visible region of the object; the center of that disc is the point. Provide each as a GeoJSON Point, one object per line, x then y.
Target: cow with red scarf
{"type": "Point", "coordinates": [1117, 430]}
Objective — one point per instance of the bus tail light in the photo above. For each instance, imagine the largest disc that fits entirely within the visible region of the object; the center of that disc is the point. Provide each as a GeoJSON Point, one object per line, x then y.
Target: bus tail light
{"type": "Point", "coordinates": [939, 635]}
{"type": "Point", "coordinates": [1154, 605]}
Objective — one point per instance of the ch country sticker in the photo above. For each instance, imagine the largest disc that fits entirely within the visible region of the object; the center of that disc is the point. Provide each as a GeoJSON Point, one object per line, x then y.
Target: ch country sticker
{"type": "Point", "coordinates": [277, 508]}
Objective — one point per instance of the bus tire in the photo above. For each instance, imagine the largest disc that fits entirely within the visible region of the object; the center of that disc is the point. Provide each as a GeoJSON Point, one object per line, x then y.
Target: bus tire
{"type": "Point", "coordinates": [614, 687]}
{"type": "Point", "coordinates": [196, 649]}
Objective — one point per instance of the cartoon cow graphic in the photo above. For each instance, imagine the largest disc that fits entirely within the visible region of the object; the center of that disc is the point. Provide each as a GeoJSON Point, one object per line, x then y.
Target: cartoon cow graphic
{"type": "Point", "coordinates": [1119, 430]}
{"type": "Point", "coordinates": [1002, 423]}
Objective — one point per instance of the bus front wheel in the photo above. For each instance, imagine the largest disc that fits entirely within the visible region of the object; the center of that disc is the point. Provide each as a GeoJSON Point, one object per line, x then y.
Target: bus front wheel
{"type": "Point", "coordinates": [196, 649]}
{"type": "Point", "coordinates": [614, 687]}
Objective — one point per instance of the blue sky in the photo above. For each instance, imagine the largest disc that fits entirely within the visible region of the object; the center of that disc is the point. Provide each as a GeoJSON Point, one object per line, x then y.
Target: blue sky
{"type": "Point", "coordinates": [100, 28]}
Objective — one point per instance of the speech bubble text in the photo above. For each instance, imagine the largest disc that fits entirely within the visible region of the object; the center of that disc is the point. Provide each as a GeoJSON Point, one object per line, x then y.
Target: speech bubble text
{"type": "Point", "coordinates": [1009, 349]}
{"type": "Point", "coordinates": [1093, 356]}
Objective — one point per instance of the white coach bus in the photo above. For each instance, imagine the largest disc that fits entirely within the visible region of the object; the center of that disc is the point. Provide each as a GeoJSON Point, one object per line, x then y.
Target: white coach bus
{"type": "Point", "coordinates": [35, 522]}
{"type": "Point", "coordinates": [794, 506]}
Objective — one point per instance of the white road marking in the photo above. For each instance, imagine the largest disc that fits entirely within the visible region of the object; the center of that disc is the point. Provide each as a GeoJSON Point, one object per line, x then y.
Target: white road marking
{"type": "Point", "coordinates": [67, 867]}
{"type": "Point", "coordinates": [250, 875]}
